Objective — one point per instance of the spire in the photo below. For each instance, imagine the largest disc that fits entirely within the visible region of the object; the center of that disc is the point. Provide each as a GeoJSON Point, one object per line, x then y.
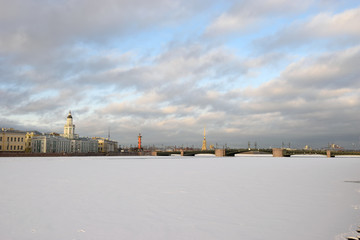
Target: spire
{"type": "Point", "coordinates": [203, 148]}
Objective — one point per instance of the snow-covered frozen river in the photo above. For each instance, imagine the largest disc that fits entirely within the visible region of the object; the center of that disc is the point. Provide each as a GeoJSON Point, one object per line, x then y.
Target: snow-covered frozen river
{"type": "Point", "coordinates": [111, 198]}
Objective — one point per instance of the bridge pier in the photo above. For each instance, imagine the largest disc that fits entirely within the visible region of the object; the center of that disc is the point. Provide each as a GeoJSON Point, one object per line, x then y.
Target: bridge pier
{"type": "Point", "coordinates": [328, 154]}
{"type": "Point", "coordinates": [182, 152]}
{"type": "Point", "coordinates": [278, 152]}
{"type": "Point", "coordinates": [153, 153]}
{"type": "Point", "coordinates": [220, 152]}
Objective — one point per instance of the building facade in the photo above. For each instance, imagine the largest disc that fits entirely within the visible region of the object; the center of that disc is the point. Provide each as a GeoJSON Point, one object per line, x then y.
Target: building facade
{"type": "Point", "coordinates": [58, 144]}
{"type": "Point", "coordinates": [50, 144]}
{"type": "Point", "coordinates": [106, 145]}
{"type": "Point", "coordinates": [69, 142]}
{"type": "Point", "coordinates": [12, 140]}
{"type": "Point", "coordinates": [83, 145]}
{"type": "Point", "coordinates": [28, 138]}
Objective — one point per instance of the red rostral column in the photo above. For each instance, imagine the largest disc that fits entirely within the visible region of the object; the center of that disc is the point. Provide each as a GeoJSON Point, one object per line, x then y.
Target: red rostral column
{"type": "Point", "coordinates": [139, 141]}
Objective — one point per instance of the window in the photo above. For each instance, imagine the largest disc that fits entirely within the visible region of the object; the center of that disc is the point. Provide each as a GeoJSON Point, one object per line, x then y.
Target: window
{"type": "Point", "coordinates": [10, 147]}
{"type": "Point", "coordinates": [0, 138]}
{"type": "Point", "coordinates": [11, 139]}
{"type": "Point", "coordinates": [21, 147]}
{"type": "Point", "coordinates": [18, 139]}
{"type": "Point", "coordinates": [0, 147]}
{"type": "Point", "coordinates": [8, 139]}
{"type": "Point", "coordinates": [22, 139]}
{"type": "Point", "coordinates": [18, 147]}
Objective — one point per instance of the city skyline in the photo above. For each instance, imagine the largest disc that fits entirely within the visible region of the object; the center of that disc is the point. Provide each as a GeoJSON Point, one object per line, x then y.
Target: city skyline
{"type": "Point", "coordinates": [260, 71]}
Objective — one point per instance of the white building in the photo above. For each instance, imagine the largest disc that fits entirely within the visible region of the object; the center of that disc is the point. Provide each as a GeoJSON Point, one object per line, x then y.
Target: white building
{"type": "Point", "coordinates": [50, 144]}
{"type": "Point", "coordinates": [83, 145]}
{"type": "Point", "coordinates": [69, 142]}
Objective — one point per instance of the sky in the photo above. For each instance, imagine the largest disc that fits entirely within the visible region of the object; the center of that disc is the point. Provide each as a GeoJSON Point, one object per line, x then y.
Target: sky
{"type": "Point", "coordinates": [269, 72]}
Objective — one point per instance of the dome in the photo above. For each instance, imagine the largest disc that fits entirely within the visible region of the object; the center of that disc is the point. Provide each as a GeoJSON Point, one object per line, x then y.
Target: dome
{"type": "Point", "coordinates": [69, 116]}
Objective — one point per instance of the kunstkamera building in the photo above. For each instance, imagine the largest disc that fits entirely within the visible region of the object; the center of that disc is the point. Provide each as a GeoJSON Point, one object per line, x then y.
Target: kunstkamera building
{"type": "Point", "coordinates": [69, 142]}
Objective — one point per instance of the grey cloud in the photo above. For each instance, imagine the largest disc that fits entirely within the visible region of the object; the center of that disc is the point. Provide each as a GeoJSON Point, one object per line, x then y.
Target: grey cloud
{"type": "Point", "coordinates": [181, 67]}
{"type": "Point", "coordinates": [328, 29]}
{"type": "Point", "coordinates": [11, 97]}
{"type": "Point", "coordinates": [247, 15]}
{"type": "Point", "coordinates": [47, 103]}
{"type": "Point", "coordinates": [310, 79]}
{"type": "Point", "coordinates": [335, 71]}
{"type": "Point", "coordinates": [170, 90]}
{"type": "Point", "coordinates": [36, 27]}
{"type": "Point", "coordinates": [326, 106]}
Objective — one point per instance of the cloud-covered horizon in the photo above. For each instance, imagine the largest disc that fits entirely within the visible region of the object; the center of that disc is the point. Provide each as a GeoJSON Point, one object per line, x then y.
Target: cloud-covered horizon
{"type": "Point", "coordinates": [270, 72]}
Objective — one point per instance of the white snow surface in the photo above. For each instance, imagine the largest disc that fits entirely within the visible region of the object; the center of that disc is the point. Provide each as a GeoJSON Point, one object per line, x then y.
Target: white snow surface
{"type": "Point", "coordinates": [106, 198]}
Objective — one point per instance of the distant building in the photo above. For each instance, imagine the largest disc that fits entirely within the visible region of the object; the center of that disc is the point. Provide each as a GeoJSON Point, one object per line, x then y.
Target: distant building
{"type": "Point", "coordinates": [106, 145]}
{"type": "Point", "coordinates": [307, 147]}
{"type": "Point", "coordinates": [12, 140]}
{"type": "Point", "coordinates": [50, 144]}
{"type": "Point", "coordinates": [28, 138]}
{"type": "Point", "coordinates": [69, 142]}
{"type": "Point", "coordinates": [335, 146]}
{"type": "Point", "coordinates": [84, 145]}
{"type": "Point", "coordinates": [57, 144]}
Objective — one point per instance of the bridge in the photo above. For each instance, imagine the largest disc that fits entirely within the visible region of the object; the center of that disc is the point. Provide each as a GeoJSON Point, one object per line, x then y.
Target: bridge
{"type": "Point", "coordinates": [276, 152]}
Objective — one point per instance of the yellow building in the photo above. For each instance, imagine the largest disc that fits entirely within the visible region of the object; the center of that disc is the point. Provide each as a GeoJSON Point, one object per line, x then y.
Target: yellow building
{"type": "Point", "coordinates": [28, 138]}
{"type": "Point", "coordinates": [12, 140]}
{"type": "Point", "coordinates": [106, 145]}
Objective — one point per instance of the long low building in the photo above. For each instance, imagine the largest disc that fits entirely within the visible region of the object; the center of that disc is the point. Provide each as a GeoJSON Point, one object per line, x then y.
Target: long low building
{"type": "Point", "coordinates": [50, 144]}
{"type": "Point", "coordinates": [59, 144]}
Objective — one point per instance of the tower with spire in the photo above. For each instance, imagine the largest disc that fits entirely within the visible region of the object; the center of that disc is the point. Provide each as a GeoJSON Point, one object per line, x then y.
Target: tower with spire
{"type": "Point", "coordinates": [203, 148]}
{"type": "Point", "coordinates": [69, 128]}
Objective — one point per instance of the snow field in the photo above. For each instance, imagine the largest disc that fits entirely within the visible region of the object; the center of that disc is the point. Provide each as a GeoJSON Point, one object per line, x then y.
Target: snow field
{"type": "Point", "coordinates": [178, 198]}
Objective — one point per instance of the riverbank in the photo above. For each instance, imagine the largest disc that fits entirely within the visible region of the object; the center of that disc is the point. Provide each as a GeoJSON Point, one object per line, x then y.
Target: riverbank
{"type": "Point", "coordinates": [24, 154]}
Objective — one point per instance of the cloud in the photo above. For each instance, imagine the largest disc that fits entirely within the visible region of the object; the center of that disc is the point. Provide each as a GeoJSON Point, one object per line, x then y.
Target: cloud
{"type": "Point", "coordinates": [247, 15]}
{"type": "Point", "coordinates": [174, 84]}
{"type": "Point", "coordinates": [312, 96]}
{"type": "Point", "coordinates": [332, 28]}
{"type": "Point", "coordinates": [33, 28]}
{"type": "Point", "coordinates": [122, 64]}
{"type": "Point", "coordinates": [305, 99]}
